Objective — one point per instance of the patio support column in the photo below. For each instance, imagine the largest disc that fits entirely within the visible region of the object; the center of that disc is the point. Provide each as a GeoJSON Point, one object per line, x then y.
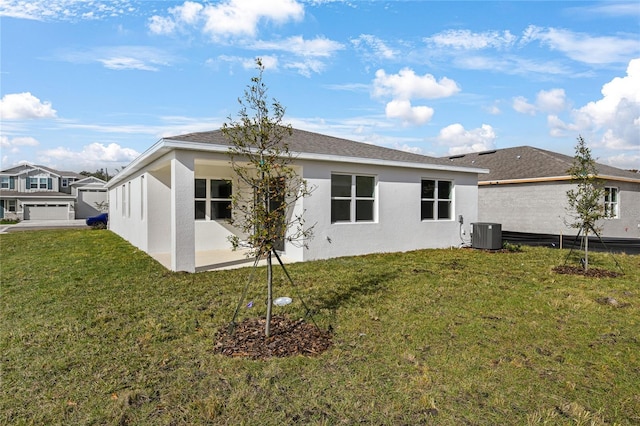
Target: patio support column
{"type": "Point", "coordinates": [183, 252]}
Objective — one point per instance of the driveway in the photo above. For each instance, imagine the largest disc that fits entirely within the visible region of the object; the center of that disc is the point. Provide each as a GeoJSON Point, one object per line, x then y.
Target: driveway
{"type": "Point", "coordinates": [33, 225]}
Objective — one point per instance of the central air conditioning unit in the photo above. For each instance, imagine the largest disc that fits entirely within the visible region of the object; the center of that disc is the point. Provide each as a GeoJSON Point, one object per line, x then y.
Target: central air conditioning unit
{"type": "Point", "coordinates": [487, 236]}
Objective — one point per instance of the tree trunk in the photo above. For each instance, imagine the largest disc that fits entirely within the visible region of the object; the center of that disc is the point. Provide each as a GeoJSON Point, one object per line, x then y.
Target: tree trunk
{"type": "Point", "coordinates": [267, 327]}
{"type": "Point", "coordinates": [586, 250]}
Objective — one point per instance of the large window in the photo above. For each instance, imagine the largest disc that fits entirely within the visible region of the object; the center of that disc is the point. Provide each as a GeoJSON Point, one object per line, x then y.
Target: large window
{"type": "Point", "coordinates": [40, 183]}
{"type": "Point", "coordinates": [213, 199]}
{"type": "Point", "coordinates": [352, 198]}
{"type": "Point", "coordinates": [436, 199]}
{"type": "Point", "coordinates": [611, 202]}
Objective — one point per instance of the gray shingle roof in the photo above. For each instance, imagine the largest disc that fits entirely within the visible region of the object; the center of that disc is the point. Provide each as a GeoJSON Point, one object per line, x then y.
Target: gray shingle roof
{"type": "Point", "coordinates": [526, 162]}
{"type": "Point", "coordinates": [25, 167]}
{"type": "Point", "coordinates": [302, 141]}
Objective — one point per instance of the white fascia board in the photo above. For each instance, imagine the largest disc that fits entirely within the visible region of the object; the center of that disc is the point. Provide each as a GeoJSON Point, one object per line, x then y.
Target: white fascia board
{"type": "Point", "coordinates": [156, 150]}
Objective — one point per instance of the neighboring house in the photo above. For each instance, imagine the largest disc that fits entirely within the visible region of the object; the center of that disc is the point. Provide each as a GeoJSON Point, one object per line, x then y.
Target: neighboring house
{"type": "Point", "coordinates": [90, 196]}
{"type": "Point", "coordinates": [526, 192]}
{"type": "Point", "coordinates": [32, 192]}
{"type": "Point", "coordinates": [172, 201]}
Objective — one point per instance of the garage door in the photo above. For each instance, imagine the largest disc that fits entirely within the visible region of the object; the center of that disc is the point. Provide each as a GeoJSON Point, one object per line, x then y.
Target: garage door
{"type": "Point", "coordinates": [49, 212]}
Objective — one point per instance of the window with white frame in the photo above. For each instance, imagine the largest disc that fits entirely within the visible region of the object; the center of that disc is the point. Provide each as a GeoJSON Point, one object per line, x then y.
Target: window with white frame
{"type": "Point", "coordinates": [5, 182]}
{"type": "Point", "coordinates": [436, 199]}
{"type": "Point", "coordinates": [213, 199]}
{"type": "Point", "coordinates": [352, 198]}
{"type": "Point", "coordinates": [611, 203]}
{"type": "Point", "coordinates": [11, 205]}
{"type": "Point", "coordinates": [65, 182]}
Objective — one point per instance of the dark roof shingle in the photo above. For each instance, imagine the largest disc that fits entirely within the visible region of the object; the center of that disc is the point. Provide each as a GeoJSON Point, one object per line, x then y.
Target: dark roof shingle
{"type": "Point", "coordinates": [302, 141]}
{"type": "Point", "coordinates": [526, 162]}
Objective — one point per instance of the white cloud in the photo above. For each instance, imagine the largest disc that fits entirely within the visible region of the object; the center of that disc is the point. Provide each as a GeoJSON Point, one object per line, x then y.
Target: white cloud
{"type": "Point", "coordinates": [462, 141]}
{"type": "Point", "coordinates": [269, 62]}
{"type": "Point", "coordinates": [522, 105]}
{"type": "Point", "coordinates": [64, 10]}
{"type": "Point", "coordinates": [379, 47]}
{"type": "Point", "coordinates": [553, 100]}
{"type": "Point", "coordinates": [161, 25]}
{"type": "Point", "coordinates": [630, 161]}
{"type": "Point", "coordinates": [583, 47]}
{"type": "Point", "coordinates": [403, 110]}
{"type": "Point", "coordinates": [229, 18]}
{"type": "Point", "coordinates": [90, 155]}
{"type": "Point", "coordinates": [13, 145]}
{"type": "Point", "coordinates": [468, 40]}
{"type": "Point", "coordinates": [125, 63]}
{"type": "Point", "coordinates": [407, 85]}
{"type": "Point", "coordinates": [24, 106]}
{"type": "Point", "coordinates": [615, 118]}
{"type": "Point", "coordinates": [306, 67]}
{"type": "Point", "coordinates": [142, 58]}
{"type": "Point", "coordinates": [317, 47]}
{"type": "Point", "coordinates": [188, 13]}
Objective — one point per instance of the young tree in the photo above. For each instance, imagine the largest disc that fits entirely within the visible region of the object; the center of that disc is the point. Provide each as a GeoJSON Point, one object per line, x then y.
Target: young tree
{"type": "Point", "coordinates": [269, 186]}
{"type": "Point", "coordinates": [586, 206]}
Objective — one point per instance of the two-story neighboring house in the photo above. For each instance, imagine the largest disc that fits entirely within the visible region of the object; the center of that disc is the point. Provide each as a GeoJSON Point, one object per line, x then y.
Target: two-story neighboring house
{"type": "Point", "coordinates": [33, 192]}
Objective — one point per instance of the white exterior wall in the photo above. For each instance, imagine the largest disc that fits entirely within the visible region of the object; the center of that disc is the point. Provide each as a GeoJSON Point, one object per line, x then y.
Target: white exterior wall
{"type": "Point", "coordinates": [158, 195]}
{"type": "Point", "coordinates": [398, 226]}
{"type": "Point", "coordinates": [125, 207]}
{"type": "Point", "coordinates": [183, 256]}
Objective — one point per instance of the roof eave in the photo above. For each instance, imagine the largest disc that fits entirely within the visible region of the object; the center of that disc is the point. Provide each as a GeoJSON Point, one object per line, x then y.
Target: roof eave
{"type": "Point", "coordinates": [553, 179]}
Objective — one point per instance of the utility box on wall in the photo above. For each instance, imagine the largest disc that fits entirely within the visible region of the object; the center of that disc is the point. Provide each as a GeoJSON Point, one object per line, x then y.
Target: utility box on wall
{"type": "Point", "coordinates": [486, 236]}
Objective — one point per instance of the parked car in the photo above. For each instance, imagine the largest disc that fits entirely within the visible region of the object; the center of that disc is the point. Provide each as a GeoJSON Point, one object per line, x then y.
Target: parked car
{"type": "Point", "coordinates": [99, 220]}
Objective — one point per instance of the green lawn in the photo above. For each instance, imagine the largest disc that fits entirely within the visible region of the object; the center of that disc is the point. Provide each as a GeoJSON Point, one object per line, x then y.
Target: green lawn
{"type": "Point", "coordinates": [93, 331]}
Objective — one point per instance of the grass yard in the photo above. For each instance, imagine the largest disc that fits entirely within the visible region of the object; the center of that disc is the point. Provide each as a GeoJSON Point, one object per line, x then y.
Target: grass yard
{"type": "Point", "coordinates": [93, 331]}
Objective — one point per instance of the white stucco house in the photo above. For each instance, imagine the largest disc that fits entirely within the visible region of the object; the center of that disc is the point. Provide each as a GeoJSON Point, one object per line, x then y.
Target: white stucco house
{"type": "Point", "coordinates": [172, 200]}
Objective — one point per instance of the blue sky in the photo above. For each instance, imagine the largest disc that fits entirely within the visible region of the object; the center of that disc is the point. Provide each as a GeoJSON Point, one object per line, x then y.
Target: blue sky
{"type": "Point", "coordinates": [92, 84]}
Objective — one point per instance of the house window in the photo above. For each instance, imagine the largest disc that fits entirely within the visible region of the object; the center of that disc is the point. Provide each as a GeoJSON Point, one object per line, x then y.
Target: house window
{"type": "Point", "coordinates": [124, 201]}
{"type": "Point", "coordinates": [611, 202]}
{"type": "Point", "coordinates": [4, 182]}
{"type": "Point", "coordinates": [352, 198]}
{"type": "Point", "coordinates": [65, 182]}
{"type": "Point", "coordinates": [44, 183]}
{"type": "Point", "coordinates": [11, 205]}
{"type": "Point", "coordinates": [33, 183]}
{"type": "Point", "coordinates": [213, 199]}
{"type": "Point", "coordinates": [436, 199]}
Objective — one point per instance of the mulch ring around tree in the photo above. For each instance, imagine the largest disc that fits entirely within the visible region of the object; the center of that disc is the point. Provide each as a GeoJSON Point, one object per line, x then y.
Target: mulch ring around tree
{"type": "Point", "coordinates": [591, 272]}
{"type": "Point", "coordinates": [288, 338]}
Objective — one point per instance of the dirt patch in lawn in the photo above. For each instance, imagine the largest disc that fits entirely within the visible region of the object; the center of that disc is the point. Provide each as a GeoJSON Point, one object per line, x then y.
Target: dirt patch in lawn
{"type": "Point", "coordinates": [592, 272]}
{"type": "Point", "coordinates": [288, 338]}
